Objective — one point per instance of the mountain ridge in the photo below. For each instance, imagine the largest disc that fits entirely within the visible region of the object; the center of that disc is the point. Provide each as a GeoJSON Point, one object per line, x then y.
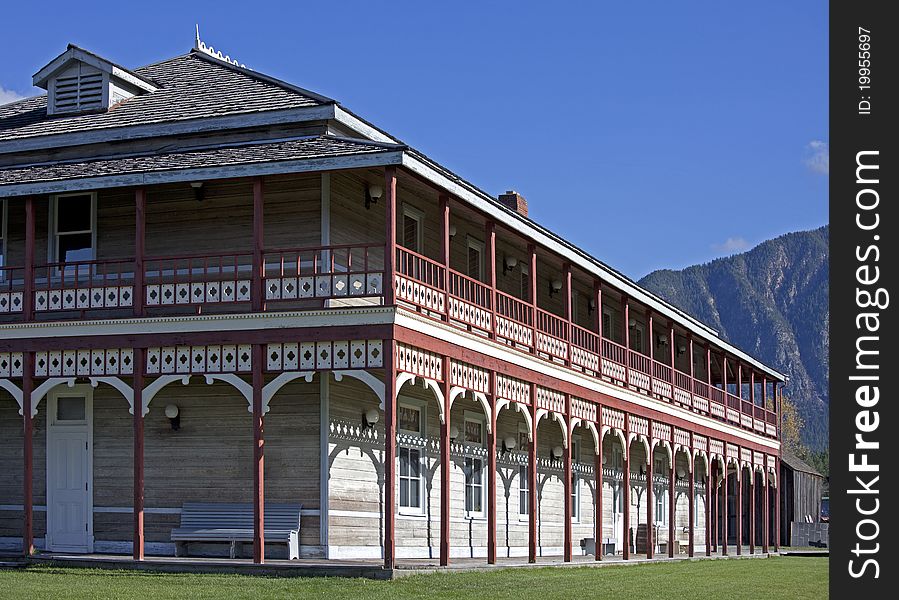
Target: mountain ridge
{"type": "Point", "coordinates": [771, 301]}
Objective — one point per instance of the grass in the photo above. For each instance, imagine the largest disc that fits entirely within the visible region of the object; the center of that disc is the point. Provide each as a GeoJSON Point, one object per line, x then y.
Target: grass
{"type": "Point", "coordinates": [795, 578]}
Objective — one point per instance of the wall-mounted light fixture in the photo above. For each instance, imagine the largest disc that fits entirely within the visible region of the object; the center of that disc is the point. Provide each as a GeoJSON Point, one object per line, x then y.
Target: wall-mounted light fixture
{"type": "Point", "coordinates": [452, 231]}
{"type": "Point", "coordinates": [453, 432]}
{"type": "Point", "coordinates": [605, 459]}
{"type": "Point", "coordinates": [509, 263]}
{"type": "Point", "coordinates": [373, 193]}
{"type": "Point", "coordinates": [681, 350]}
{"type": "Point", "coordinates": [642, 469]}
{"type": "Point", "coordinates": [509, 444]}
{"type": "Point", "coordinates": [555, 286]}
{"type": "Point", "coordinates": [662, 339]}
{"type": "Point", "coordinates": [173, 414]}
{"type": "Point", "coordinates": [557, 452]}
{"type": "Point", "coordinates": [591, 306]}
{"type": "Point", "coordinates": [370, 418]}
{"type": "Point", "coordinates": [632, 323]}
{"type": "Point", "coordinates": [681, 473]}
{"type": "Point", "coordinates": [199, 190]}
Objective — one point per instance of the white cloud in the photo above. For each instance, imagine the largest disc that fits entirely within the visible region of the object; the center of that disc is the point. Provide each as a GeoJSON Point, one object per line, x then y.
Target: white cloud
{"type": "Point", "coordinates": [7, 96]}
{"type": "Point", "coordinates": [731, 245]}
{"type": "Point", "coordinates": [817, 157]}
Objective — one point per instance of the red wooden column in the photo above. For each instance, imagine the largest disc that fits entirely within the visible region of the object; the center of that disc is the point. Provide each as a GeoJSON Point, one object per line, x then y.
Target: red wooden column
{"type": "Point", "coordinates": [28, 275]}
{"type": "Point", "coordinates": [625, 310]}
{"type": "Point", "coordinates": [566, 546]}
{"type": "Point", "coordinates": [650, 501]}
{"type": "Point", "coordinates": [566, 273]}
{"type": "Point", "coordinates": [390, 446]}
{"type": "Point", "coordinates": [712, 503]}
{"type": "Point", "coordinates": [258, 458]}
{"type": "Point", "coordinates": [445, 468]}
{"type": "Point", "coordinates": [724, 505]}
{"type": "Point", "coordinates": [691, 507]}
{"type": "Point", "coordinates": [491, 470]}
{"type": "Point", "coordinates": [738, 501]}
{"type": "Point", "coordinates": [532, 478]}
{"type": "Point", "coordinates": [597, 500]}
{"type": "Point", "coordinates": [751, 491]}
{"type": "Point", "coordinates": [390, 234]}
{"type": "Point", "coordinates": [258, 293]}
{"type": "Point", "coordinates": [532, 260]}
{"type": "Point", "coordinates": [626, 484]}
{"type": "Point", "coordinates": [597, 299]}
{"type": "Point", "coordinates": [651, 344]}
{"type": "Point", "coordinates": [138, 406]}
{"type": "Point", "coordinates": [777, 483]}
{"type": "Point", "coordinates": [709, 506]}
{"type": "Point", "coordinates": [140, 227]}
{"type": "Point", "coordinates": [766, 515]}
{"type": "Point", "coordinates": [445, 248]}
{"type": "Point", "coordinates": [671, 500]}
{"type": "Point", "coordinates": [490, 243]}
{"type": "Point", "coordinates": [27, 454]}
{"type": "Point", "coordinates": [671, 340]}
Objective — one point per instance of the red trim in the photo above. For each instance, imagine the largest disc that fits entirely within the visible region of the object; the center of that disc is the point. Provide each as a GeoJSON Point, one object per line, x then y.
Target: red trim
{"type": "Point", "coordinates": [138, 386]}
{"type": "Point", "coordinates": [738, 497]}
{"type": "Point", "coordinates": [389, 454]}
{"type": "Point", "coordinates": [258, 293]}
{"type": "Point", "coordinates": [597, 535]}
{"type": "Point", "coordinates": [28, 275]}
{"type": "Point", "coordinates": [389, 234]}
{"type": "Point", "coordinates": [532, 260]}
{"type": "Point", "coordinates": [777, 503]}
{"type": "Point", "coordinates": [752, 511]}
{"type": "Point", "coordinates": [28, 455]}
{"type": "Point", "coordinates": [258, 458]}
{"type": "Point", "coordinates": [671, 505]}
{"type": "Point", "coordinates": [491, 478]}
{"type": "Point", "coordinates": [626, 484]}
{"type": "Point", "coordinates": [714, 512]}
{"type": "Point", "coordinates": [724, 510]}
{"type": "Point", "coordinates": [709, 505]}
{"type": "Point", "coordinates": [490, 241]}
{"type": "Point", "coordinates": [140, 226]}
{"type": "Point", "coordinates": [445, 246]}
{"type": "Point", "coordinates": [691, 507]}
{"type": "Point", "coordinates": [445, 468]}
{"type": "Point", "coordinates": [766, 523]}
{"type": "Point", "coordinates": [650, 492]}
{"type": "Point", "coordinates": [566, 545]}
{"type": "Point", "coordinates": [532, 480]}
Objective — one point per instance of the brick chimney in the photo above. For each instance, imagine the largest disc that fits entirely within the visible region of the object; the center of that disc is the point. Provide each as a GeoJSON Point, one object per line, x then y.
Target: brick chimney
{"type": "Point", "coordinates": [514, 201]}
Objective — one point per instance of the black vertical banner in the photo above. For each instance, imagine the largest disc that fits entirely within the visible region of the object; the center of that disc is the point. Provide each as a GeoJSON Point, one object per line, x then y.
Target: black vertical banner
{"type": "Point", "coordinates": [864, 168]}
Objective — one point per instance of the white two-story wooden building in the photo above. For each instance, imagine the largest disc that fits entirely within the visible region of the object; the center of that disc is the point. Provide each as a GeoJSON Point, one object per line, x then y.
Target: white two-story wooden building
{"type": "Point", "coordinates": [220, 288]}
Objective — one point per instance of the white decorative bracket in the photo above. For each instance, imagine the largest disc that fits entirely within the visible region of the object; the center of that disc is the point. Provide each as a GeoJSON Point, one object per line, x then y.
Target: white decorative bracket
{"type": "Point", "coordinates": [597, 445]}
{"type": "Point", "coordinates": [272, 387]}
{"type": "Point", "coordinates": [118, 384]}
{"type": "Point", "coordinates": [376, 385]}
{"type": "Point", "coordinates": [154, 388]}
{"type": "Point", "coordinates": [245, 389]}
{"type": "Point", "coordinates": [40, 391]}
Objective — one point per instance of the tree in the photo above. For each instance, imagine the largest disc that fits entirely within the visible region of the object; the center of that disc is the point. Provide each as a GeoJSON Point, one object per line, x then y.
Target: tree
{"type": "Point", "coordinates": [790, 427]}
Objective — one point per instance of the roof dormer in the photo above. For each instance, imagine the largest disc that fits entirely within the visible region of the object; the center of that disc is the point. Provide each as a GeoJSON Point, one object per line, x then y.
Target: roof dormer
{"type": "Point", "coordinates": [78, 81]}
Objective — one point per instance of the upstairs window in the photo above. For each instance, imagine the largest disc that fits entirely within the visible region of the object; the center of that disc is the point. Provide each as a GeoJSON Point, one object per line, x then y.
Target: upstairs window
{"type": "Point", "coordinates": [413, 226]}
{"type": "Point", "coordinates": [475, 259]}
{"type": "Point", "coordinates": [73, 228]}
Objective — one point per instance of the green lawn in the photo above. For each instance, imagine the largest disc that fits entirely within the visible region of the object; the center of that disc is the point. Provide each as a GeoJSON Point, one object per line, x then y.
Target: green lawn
{"type": "Point", "coordinates": [794, 578]}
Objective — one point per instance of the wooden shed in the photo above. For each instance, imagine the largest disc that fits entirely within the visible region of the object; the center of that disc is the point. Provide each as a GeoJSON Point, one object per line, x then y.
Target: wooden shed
{"type": "Point", "coordinates": [802, 489]}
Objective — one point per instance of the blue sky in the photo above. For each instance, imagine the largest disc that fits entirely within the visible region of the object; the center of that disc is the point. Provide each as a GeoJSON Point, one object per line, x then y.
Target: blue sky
{"type": "Point", "coordinates": [652, 134]}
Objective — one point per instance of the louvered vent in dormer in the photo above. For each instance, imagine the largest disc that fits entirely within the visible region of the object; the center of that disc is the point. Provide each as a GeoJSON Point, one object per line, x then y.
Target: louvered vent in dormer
{"type": "Point", "coordinates": [78, 81]}
{"type": "Point", "coordinates": [79, 89]}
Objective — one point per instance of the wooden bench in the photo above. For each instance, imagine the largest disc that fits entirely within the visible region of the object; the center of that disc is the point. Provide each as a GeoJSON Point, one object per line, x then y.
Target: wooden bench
{"type": "Point", "coordinates": [233, 523]}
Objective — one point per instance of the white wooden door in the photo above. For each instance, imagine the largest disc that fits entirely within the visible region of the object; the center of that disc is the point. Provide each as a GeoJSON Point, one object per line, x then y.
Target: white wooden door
{"type": "Point", "coordinates": [69, 473]}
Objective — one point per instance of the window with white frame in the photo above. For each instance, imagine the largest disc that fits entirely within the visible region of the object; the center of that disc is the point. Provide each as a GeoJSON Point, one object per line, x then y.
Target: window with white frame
{"type": "Point", "coordinates": [697, 504]}
{"type": "Point", "coordinates": [475, 266]}
{"type": "Point", "coordinates": [73, 227]}
{"type": "Point", "coordinates": [475, 488]}
{"type": "Point", "coordinates": [413, 229]}
{"type": "Point", "coordinates": [575, 480]}
{"type": "Point", "coordinates": [410, 423]}
{"type": "Point", "coordinates": [660, 500]}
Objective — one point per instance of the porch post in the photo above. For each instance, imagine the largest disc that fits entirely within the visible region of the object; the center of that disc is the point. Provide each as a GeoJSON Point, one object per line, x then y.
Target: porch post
{"type": "Point", "coordinates": [566, 545]}
{"type": "Point", "coordinates": [752, 510]}
{"type": "Point", "coordinates": [258, 458]}
{"type": "Point", "coordinates": [650, 500]}
{"type": "Point", "coordinates": [712, 501]}
{"type": "Point", "coordinates": [691, 507]}
{"type": "Point", "coordinates": [597, 299]}
{"type": "Point", "coordinates": [777, 499]}
{"type": "Point", "coordinates": [766, 516]}
{"type": "Point", "coordinates": [738, 501]}
{"type": "Point", "coordinates": [28, 275]}
{"type": "Point", "coordinates": [140, 225]}
{"type": "Point", "coordinates": [389, 235]}
{"type": "Point", "coordinates": [28, 453]}
{"type": "Point", "coordinates": [532, 477]}
{"type": "Point", "coordinates": [137, 407]}
{"type": "Point", "coordinates": [651, 345]}
{"type": "Point", "coordinates": [491, 470]}
{"type": "Point", "coordinates": [626, 484]}
{"type": "Point", "coordinates": [566, 273]}
{"type": "Point", "coordinates": [597, 500]}
{"type": "Point", "coordinates": [671, 500]}
{"type": "Point", "coordinates": [490, 241]}
{"type": "Point", "coordinates": [445, 249]}
{"type": "Point", "coordinates": [258, 293]}
{"type": "Point", "coordinates": [724, 505]}
{"type": "Point", "coordinates": [625, 310]}
{"type": "Point", "coordinates": [532, 254]}
{"type": "Point", "coordinates": [445, 468]}
{"type": "Point", "coordinates": [390, 445]}
{"type": "Point", "coordinates": [708, 505]}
